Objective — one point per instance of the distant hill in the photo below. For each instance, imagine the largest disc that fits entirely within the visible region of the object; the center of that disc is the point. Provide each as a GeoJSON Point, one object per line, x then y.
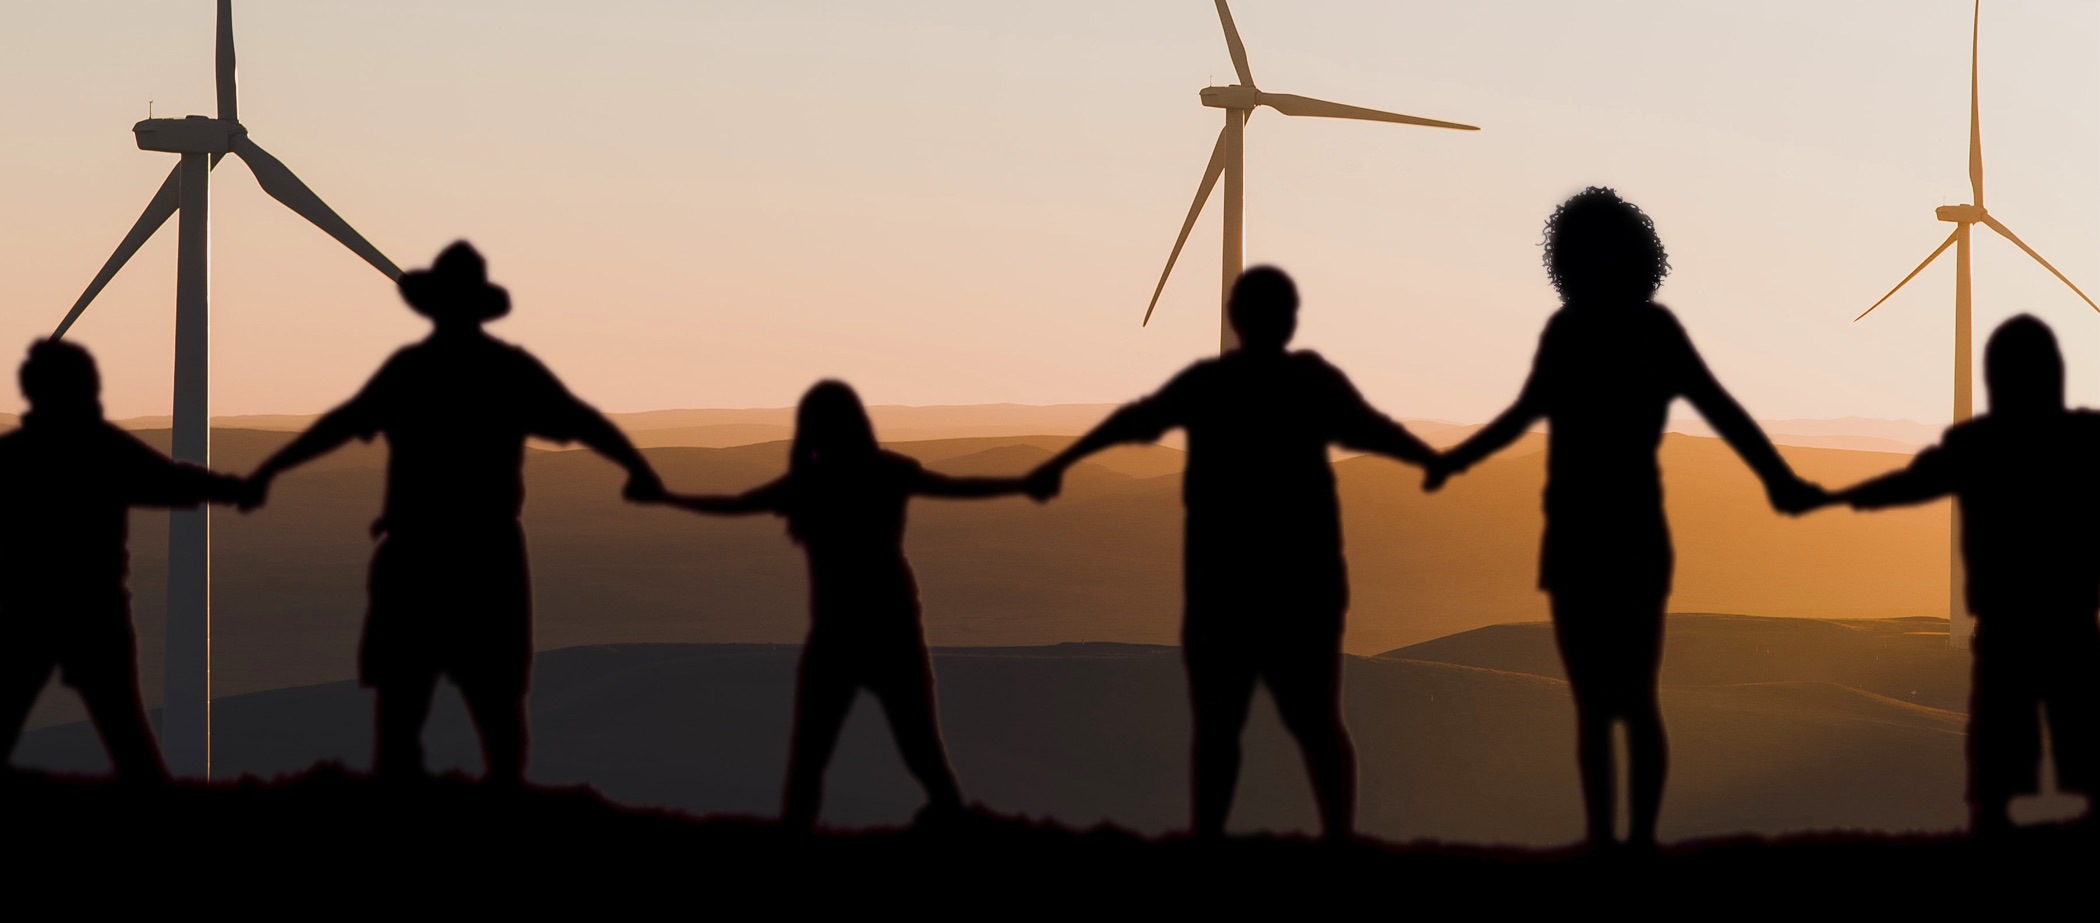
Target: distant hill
{"type": "Point", "coordinates": [1102, 563]}
{"type": "Point", "coordinates": [722, 428]}
{"type": "Point", "coordinates": [1776, 725]}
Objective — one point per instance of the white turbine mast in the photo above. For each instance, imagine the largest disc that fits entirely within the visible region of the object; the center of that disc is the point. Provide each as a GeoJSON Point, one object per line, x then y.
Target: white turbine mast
{"type": "Point", "coordinates": [1228, 159]}
{"type": "Point", "coordinates": [186, 705]}
{"type": "Point", "coordinates": [1959, 623]}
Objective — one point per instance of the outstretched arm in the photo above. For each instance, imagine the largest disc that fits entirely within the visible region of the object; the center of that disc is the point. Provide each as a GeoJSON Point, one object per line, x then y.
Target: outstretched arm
{"type": "Point", "coordinates": [152, 479]}
{"type": "Point", "coordinates": [1139, 421]}
{"type": "Point", "coordinates": [1360, 426]}
{"type": "Point", "coordinates": [1929, 477]}
{"type": "Point", "coordinates": [766, 499]}
{"type": "Point", "coordinates": [598, 433]}
{"type": "Point", "coordinates": [1788, 492]}
{"type": "Point", "coordinates": [935, 484]}
{"type": "Point", "coordinates": [1492, 438]}
{"type": "Point", "coordinates": [326, 435]}
{"type": "Point", "coordinates": [559, 415]}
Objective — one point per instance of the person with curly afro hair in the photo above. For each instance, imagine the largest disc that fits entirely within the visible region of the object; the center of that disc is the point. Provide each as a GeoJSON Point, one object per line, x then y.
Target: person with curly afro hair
{"type": "Point", "coordinates": [1609, 364]}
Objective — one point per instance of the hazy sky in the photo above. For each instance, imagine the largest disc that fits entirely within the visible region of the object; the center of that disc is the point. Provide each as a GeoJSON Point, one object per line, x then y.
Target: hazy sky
{"type": "Point", "coordinates": [714, 204]}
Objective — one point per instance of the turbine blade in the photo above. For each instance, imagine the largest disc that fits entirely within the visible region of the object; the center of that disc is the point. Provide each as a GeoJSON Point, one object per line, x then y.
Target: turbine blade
{"type": "Point", "coordinates": [1975, 113]}
{"type": "Point", "coordinates": [1210, 180]}
{"type": "Point", "coordinates": [1289, 104]}
{"type": "Point", "coordinates": [157, 211]}
{"type": "Point", "coordinates": [1942, 248]}
{"type": "Point", "coordinates": [277, 180]}
{"type": "Point", "coordinates": [2007, 233]}
{"type": "Point", "coordinates": [1232, 44]}
{"type": "Point", "coordinates": [229, 103]}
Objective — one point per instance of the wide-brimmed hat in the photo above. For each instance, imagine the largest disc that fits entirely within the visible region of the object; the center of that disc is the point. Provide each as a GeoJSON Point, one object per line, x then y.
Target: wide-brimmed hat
{"type": "Point", "coordinates": [456, 286]}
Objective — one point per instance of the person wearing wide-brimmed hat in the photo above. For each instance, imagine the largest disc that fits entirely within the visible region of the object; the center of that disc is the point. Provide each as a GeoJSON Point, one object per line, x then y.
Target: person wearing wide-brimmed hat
{"type": "Point", "coordinates": [450, 595]}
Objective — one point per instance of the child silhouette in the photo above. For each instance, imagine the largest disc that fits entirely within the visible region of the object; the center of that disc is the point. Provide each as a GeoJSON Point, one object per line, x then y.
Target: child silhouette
{"type": "Point", "coordinates": [64, 560]}
{"type": "Point", "coordinates": [2023, 475]}
{"type": "Point", "coordinates": [844, 498]}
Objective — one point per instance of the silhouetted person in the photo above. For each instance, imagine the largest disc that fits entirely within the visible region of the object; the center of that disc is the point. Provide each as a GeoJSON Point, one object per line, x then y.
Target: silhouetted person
{"type": "Point", "coordinates": [844, 499]}
{"type": "Point", "coordinates": [1264, 582]}
{"type": "Point", "coordinates": [450, 594]}
{"type": "Point", "coordinates": [2027, 479]}
{"type": "Point", "coordinates": [71, 480]}
{"type": "Point", "coordinates": [1609, 364]}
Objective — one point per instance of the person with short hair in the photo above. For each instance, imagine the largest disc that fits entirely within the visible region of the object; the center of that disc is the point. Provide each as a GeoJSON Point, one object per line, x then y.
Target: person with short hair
{"type": "Point", "coordinates": [2023, 476]}
{"type": "Point", "coordinates": [1264, 581]}
{"type": "Point", "coordinates": [73, 479]}
{"type": "Point", "coordinates": [1609, 365]}
{"type": "Point", "coordinates": [450, 593]}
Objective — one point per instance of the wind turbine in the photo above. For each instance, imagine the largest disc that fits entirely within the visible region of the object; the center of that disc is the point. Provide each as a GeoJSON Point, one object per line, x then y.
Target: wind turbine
{"type": "Point", "coordinates": [1964, 217]}
{"type": "Point", "coordinates": [186, 705]}
{"type": "Point", "coordinates": [1228, 158]}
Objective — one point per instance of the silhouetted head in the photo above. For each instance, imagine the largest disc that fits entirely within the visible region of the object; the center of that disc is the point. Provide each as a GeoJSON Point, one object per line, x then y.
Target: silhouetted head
{"type": "Point", "coordinates": [455, 289]}
{"type": "Point", "coordinates": [2023, 370]}
{"type": "Point", "coordinates": [831, 426]}
{"type": "Point", "coordinates": [60, 381]}
{"type": "Point", "coordinates": [1263, 309]}
{"type": "Point", "coordinates": [1601, 248]}
{"type": "Point", "coordinates": [833, 441]}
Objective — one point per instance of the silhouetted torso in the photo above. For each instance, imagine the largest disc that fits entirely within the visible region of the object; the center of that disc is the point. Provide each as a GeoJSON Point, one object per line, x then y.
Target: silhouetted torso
{"type": "Point", "coordinates": [64, 521]}
{"type": "Point", "coordinates": [2029, 490]}
{"type": "Point", "coordinates": [1264, 524]}
{"type": "Point", "coordinates": [456, 409]}
{"type": "Point", "coordinates": [851, 525]}
{"type": "Point", "coordinates": [1604, 379]}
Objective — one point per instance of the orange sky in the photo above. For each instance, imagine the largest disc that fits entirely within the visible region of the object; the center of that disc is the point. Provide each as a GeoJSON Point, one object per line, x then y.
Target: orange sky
{"type": "Point", "coordinates": [955, 202]}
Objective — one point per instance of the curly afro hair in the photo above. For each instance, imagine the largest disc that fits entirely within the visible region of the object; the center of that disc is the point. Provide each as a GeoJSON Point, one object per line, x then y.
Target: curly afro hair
{"type": "Point", "coordinates": [1602, 247]}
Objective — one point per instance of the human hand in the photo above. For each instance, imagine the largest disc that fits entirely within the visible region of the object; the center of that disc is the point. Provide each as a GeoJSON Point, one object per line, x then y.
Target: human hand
{"type": "Point", "coordinates": [1798, 496]}
{"type": "Point", "coordinates": [1434, 473]}
{"type": "Point", "coordinates": [254, 492]}
{"type": "Point", "coordinates": [1045, 482]}
{"type": "Point", "coordinates": [644, 487]}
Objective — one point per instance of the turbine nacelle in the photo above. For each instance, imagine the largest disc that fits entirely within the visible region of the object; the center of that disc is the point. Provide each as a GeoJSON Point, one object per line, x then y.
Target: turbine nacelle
{"type": "Point", "coordinates": [1232, 97]}
{"type": "Point", "coordinates": [1961, 214]}
{"type": "Point", "coordinates": [194, 135]}
{"type": "Point", "coordinates": [1227, 158]}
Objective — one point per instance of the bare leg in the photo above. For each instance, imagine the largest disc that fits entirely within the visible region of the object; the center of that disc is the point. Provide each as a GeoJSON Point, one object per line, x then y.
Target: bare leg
{"type": "Point", "coordinates": [1648, 758]}
{"type": "Point", "coordinates": [18, 691]}
{"type": "Point", "coordinates": [915, 722]}
{"type": "Point", "coordinates": [1593, 758]}
{"type": "Point", "coordinates": [499, 717]}
{"type": "Point", "coordinates": [1221, 687]}
{"type": "Point", "coordinates": [403, 706]}
{"type": "Point", "coordinates": [120, 717]}
{"type": "Point", "coordinates": [822, 699]}
{"type": "Point", "coordinates": [1311, 706]}
{"type": "Point", "coordinates": [2005, 728]}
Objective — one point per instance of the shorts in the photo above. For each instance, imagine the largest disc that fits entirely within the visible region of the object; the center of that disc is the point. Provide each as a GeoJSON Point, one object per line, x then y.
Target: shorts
{"type": "Point", "coordinates": [455, 604]}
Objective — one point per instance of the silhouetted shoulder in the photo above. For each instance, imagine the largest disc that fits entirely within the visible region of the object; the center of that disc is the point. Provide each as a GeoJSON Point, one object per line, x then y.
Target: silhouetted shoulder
{"type": "Point", "coordinates": [1315, 363]}
{"type": "Point", "coordinates": [897, 463]}
{"type": "Point", "coordinates": [1195, 376]}
{"type": "Point", "coordinates": [1320, 376]}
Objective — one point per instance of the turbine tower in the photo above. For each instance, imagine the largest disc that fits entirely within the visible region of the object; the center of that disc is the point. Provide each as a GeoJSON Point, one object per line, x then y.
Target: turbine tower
{"type": "Point", "coordinates": [185, 732]}
{"type": "Point", "coordinates": [1228, 158]}
{"type": "Point", "coordinates": [1964, 217]}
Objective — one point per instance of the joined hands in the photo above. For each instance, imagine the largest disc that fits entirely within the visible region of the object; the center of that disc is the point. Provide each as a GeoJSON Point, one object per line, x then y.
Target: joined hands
{"type": "Point", "coordinates": [1045, 482]}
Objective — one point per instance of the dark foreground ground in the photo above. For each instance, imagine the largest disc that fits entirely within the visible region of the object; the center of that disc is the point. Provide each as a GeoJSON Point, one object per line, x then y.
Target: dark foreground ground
{"type": "Point", "coordinates": [334, 844]}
